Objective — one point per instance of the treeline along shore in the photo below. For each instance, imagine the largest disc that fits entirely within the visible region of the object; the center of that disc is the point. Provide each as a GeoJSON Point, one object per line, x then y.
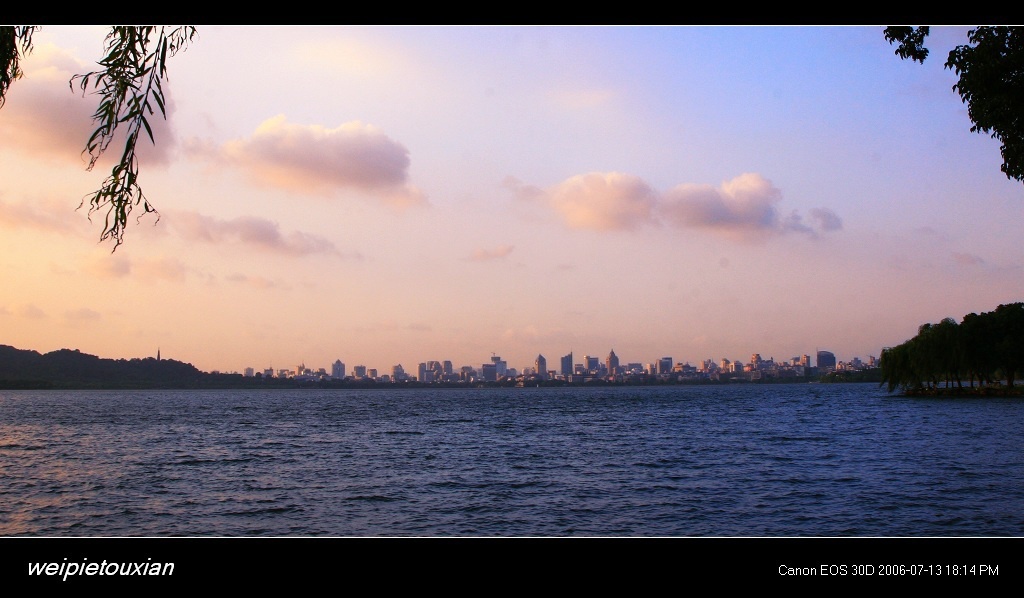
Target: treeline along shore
{"type": "Point", "coordinates": [68, 369]}
{"type": "Point", "coordinates": [983, 354]}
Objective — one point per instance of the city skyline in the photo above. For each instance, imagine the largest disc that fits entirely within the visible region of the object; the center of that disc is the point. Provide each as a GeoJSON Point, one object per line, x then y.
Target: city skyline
{"type": "Point", "coordinates": [567, 366]}
{"type": "Point", "coordinates": [394, 194]}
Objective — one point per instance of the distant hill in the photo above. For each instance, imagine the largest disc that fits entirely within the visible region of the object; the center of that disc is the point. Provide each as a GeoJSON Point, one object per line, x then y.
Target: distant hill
{"type": "Point", "coordinates": [68, 368]}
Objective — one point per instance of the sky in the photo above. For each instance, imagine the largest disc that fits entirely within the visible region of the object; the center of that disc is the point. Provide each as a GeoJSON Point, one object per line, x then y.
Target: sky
{"type": "Point", "coordinates": [393, 195]}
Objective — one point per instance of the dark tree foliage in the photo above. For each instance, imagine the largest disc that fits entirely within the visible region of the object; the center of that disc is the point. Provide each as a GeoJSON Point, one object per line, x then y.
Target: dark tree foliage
{"type": "Point", "coordinates": [984, 348]}
{"type": "Point", "coordinates": [991, 71]}
{"type": "Point", "coordinates": [15, 42]}
{"type": "Point", "coordinates": [130, 86]}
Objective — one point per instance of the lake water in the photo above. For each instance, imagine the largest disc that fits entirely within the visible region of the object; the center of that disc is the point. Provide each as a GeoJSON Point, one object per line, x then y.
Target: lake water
{"type": "Point", "coordinates": [696, 461]}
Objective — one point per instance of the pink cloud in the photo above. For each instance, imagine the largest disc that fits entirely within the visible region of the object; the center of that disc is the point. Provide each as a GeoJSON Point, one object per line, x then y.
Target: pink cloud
{"type": "Point", "coordinates": [25, 311]}
{"type": "Point", "coordinates": [164, 268]}
{"type": "Point", "coordinates": [826, 219]}
{"type": "Point", "coordinates": [249, 230]}
{"type": "Point", "coordinates": [39, 216]}
{"type": "Point", "coordinates": [110, 266]}
{"type": "Point", "coordinates": [604, 201]}
{"type": "Point", "coordinates": [314, 159]}
{"type": "Point", "coordinates": [744, 206]}
{"type": "Point", "coordinates": [501, 252]}
{"type": "Point", "coordinates": [258, 282]}
{"type": "Point", "coordinates": [967, 259]}
{"type": "Point", "coordinates": [522, 191]}
{"type": "Point", "coordinates": [80, 315]}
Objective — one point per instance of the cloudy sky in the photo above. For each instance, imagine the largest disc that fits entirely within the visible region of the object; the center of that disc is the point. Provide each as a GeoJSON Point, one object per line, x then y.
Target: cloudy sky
{"type": "Point", "coordinates": [386, 195]}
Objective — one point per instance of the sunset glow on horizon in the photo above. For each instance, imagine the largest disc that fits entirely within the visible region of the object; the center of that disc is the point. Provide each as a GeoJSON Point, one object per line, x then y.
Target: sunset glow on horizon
{"type": "Point", "coordinates": [395, 195]}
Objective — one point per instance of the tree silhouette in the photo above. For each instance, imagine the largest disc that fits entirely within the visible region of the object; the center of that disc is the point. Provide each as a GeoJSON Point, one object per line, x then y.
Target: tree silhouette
{"type": "Point", "coordinates": [984, 347]}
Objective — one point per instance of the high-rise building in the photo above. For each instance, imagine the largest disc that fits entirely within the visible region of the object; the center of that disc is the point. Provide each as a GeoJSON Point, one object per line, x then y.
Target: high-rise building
{"type": "Point", "coordinates": [665, 365]}
{"type": "Point", "coordinates": [612, 363]}
{"type": "Point", "coordinates": [590, 364]}
{"type": "Point", "coordinates": [826, 360]}
{"type": "Point", "coordinates": [338, 369]}
{"type": "Point", "coordinates": [500, 366]}
{"type": "Point", "coordinates": [359, 371]}
{"type": "Point", "coordinates": [567, 364]}
{"type": "Point", "coordinates": [541, 366]}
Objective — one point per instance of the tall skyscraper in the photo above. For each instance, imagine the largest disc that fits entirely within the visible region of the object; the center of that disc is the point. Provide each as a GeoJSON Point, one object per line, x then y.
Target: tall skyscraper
{"type": "Point", "coordinates": [567, 364]}
{"type": "Point", "coordinates": [338, 370]}
{"type": "Point", "coordinates": [612, 363]}
{"type": "Point", "coordinates": [541, 367]}
{"type": "Point", "coordinates": [826, 360]}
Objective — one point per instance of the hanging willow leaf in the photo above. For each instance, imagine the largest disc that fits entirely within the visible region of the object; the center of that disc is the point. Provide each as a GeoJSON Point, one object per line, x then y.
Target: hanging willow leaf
{"type": "Point", "coordinates": [130, 78]}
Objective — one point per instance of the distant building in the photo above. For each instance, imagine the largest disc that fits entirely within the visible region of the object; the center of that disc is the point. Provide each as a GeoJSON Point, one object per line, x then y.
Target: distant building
{"type": "Point", "coordinates": [665, 365]}
{"type": "Point", "coordinates": [826, 360]}
{"type": "Point", "coordinates": [359, 371]}
{"type": "Point", "coordinates": [612, 363]}
{"type": "Point", "coordinates": [541, 366]}
{"type": "Point", "coordinates": [567, 364]}
{"type": "Point", "coordinates": [500, 366]}
{"type": "Point", "coordinates": [338, 370]}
